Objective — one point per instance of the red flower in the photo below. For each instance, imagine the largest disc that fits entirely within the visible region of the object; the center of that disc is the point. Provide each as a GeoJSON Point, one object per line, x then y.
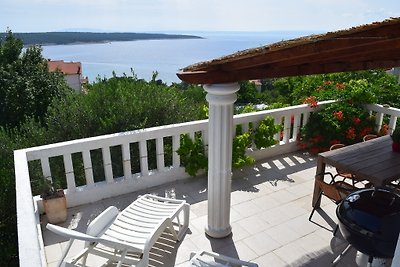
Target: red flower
{"type": "Point", "coordinates": [365, 131]}
{"type": "Point", "coordinates": [356, 120]}
{"type": "Point", "coordinates": [351, 133]}
{"type": "Point", "coordinates": [340, 86]}
{"type": "Point", "coordinates": [327, 82]}
{"type": "Point", "coordinates": [338, 115]}
{"type": "Point", "coordinates": [384, 129]}
{"type": "Point", "coordinates": [311, 101]}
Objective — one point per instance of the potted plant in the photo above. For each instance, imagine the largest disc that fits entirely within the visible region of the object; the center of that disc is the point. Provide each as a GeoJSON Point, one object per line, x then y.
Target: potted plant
{"type": "Point", "coordinates": [54, 202]}
{"type": "Point", "coordinates": [396, 139]}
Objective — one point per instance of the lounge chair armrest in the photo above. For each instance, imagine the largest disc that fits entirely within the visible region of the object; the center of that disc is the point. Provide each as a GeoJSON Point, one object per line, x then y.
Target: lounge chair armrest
{"type": "Point", "coordinates": [71, 234]}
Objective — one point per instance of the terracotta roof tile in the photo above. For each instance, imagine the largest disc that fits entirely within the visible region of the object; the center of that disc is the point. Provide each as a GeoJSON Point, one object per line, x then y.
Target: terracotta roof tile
{"type": "Point", "coordinates": [65, 67]}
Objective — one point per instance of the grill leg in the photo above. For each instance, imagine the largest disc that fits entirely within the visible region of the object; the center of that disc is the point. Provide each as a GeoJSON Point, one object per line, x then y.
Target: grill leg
{"type": "Point", "coordinates": [370, 260]}
{"type": "Point", "coordinates": [339, 257]}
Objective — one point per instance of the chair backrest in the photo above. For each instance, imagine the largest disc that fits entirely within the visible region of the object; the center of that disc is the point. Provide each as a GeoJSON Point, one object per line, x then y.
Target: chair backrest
{"type": "Point", "coordinates": [369, 137]}
{"type": "Point", "coordinates": [329, 190]}
{"type": "Point", "coordinates": [336, 146]}
{"type": "Point", "coordinates": [336, 190]}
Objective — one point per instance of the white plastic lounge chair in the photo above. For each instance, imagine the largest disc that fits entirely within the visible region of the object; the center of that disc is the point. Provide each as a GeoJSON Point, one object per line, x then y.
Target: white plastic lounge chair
{"type": "Point", "coordinates": [126, 237]}
{"type": "Point", "coordinates": [212, 259]}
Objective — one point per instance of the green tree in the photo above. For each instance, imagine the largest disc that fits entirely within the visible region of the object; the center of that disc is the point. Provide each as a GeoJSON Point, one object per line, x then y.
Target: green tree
{"type": "Point", "coordinates": [122, 104]}
{"type": "Point", "coordinates": [26, 91]}
{"type": "Point", "coordinates": [26, 86]}
{"type": "Point", "coordinates": [247, 93]}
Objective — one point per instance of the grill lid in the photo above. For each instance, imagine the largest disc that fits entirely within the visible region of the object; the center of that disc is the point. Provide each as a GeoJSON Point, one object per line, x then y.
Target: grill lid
{"type": "Point", "coordinates": [372, 212]}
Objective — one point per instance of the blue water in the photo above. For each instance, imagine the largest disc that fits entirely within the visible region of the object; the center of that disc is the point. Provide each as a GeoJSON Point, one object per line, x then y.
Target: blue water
{"type": "Point", "coordinates": [164, 56]}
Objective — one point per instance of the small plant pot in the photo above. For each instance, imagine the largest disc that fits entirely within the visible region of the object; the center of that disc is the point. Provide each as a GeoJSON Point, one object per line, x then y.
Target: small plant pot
{"type": "Point", "coordinates": [56, 208]}
{"type": "Point", "coordinates": [396, 147]}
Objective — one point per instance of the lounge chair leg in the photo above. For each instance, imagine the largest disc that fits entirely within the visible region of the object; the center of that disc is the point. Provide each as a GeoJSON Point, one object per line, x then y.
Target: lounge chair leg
{"type": "Point", "coordinates": [185, 225]}
{"type": "Point", "coordinates": [65, 252]}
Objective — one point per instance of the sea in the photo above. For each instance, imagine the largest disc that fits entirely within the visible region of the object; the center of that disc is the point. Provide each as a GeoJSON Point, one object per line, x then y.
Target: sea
{"type": "Point", "coordinates": [166, 57]}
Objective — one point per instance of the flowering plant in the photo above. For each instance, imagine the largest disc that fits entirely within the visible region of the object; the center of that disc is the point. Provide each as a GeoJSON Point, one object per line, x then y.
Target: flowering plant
{"type": "Point", "coordinates": [344, 122]}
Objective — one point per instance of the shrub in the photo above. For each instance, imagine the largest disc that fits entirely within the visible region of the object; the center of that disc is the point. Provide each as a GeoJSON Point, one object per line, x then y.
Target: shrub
{"type": "Point", "coordinates": [192, 151]}
{"type": "Point", "coordinates": [192, 154]}
{"type": "Point", "coordinates": [343, 122]}
{"type": "Point", "coordinates": [240, 143]}
{"type": "Point", "coordinates": [265, 132]}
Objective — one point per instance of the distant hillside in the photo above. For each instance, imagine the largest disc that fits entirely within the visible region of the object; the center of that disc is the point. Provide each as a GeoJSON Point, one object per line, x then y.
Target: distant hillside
{"type": "Point", "coordinates": [56, 38]}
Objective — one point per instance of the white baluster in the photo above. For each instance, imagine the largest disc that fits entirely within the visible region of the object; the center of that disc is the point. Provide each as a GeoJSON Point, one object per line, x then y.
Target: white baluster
{"type": "Point", "coordinates": [107, 164]}
{"type": "Point", "coordinates": [69, 172]}
{"type": "Point", "coordinates": [160, 154]}
{"type": "Point", "coordinates": [144, 166]}
{"type": "Point", "coordinates": [44, 162]}
{"type": "Point", "coordinates": [176, 142]}
{"type": "Point", "coordinates": [87, 165]}
{"type": "Point", "coordinates": [126, 161]}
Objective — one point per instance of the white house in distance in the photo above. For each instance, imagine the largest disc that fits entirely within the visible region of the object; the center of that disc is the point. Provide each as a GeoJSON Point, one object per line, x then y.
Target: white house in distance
{"type": "Point", "coordinates": [72, 73]}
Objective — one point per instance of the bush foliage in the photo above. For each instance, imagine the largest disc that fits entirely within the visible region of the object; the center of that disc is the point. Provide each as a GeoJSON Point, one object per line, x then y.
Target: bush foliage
{"type": "Point", "coordinates": [346, 121]}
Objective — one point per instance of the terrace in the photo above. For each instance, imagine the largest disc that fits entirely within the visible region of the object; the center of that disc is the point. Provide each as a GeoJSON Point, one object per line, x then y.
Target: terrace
{"type": "Point", "coordinates": [271, 200]}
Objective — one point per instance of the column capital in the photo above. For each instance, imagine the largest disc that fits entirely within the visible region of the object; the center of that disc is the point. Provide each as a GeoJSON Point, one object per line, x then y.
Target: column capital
{"type": "Point", "coordinates": [222, 93]}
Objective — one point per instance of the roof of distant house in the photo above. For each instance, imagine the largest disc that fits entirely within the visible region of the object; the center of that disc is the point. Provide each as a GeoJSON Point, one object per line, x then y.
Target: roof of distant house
{"type": "Point", "coordinates": [66, 68]}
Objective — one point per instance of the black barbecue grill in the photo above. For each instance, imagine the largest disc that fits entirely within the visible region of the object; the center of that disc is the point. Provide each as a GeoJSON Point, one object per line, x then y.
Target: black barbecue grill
{"type": "Point", "coordinates": [369, 220]}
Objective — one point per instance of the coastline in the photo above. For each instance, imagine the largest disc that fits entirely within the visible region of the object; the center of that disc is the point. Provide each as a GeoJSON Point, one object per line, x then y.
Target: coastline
{"type": "Point", "coordinates": [72, 38]}
{"type": "Point", "coordinates": [110, 41]}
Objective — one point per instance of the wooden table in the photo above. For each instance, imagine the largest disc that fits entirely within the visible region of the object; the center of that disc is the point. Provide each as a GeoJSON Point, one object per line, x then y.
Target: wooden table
{"type": "Point", "coordinates": [372, 160]}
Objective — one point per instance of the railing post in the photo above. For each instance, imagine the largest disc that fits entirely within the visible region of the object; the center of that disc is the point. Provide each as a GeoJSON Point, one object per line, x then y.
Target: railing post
{"type": "Point", "coordinates": [220, 130]}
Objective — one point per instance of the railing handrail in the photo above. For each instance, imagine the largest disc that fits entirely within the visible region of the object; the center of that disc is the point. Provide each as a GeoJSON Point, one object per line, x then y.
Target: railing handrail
{"type": "Point", "coordinates": [51, 150]}
{"type": "Point", "coordinates": [73, 146]}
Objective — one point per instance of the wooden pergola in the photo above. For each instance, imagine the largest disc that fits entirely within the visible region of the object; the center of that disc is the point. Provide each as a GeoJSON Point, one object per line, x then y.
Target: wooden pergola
{"type": "Point", "coordinates": [371, 46]}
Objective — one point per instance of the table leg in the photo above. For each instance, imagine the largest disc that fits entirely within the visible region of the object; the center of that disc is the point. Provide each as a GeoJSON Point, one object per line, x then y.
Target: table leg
{"type": "Point", "coordinates": [318, 175]}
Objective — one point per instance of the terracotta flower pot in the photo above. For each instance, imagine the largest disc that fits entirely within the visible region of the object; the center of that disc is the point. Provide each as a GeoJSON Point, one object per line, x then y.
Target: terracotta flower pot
{"type": "Point", "coordinates": [56, 208]}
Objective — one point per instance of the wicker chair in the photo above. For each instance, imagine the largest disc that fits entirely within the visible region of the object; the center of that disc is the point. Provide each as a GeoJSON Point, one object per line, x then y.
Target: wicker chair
{"type": "Point", "coordinates": [334, 190]}
{"type": "Point", "coordinates": [343, 174]}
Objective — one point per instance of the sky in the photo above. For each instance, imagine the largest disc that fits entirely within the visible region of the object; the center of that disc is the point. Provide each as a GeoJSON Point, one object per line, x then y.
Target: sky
{"type": "Point", "coordinates": [191, 15]}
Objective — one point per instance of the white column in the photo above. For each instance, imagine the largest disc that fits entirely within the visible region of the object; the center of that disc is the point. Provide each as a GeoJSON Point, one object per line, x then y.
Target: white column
{"type": "Point", "coordinates": [220, 130]}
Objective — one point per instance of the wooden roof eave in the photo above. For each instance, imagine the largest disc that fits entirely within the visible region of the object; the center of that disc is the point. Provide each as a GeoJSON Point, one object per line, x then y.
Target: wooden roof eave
{"type": "Point", "coordinates": [309, 45]}
{"type": "Point", "coordinates": [369, 46]}
{"type": "Point", "coordinates": [270, 71]}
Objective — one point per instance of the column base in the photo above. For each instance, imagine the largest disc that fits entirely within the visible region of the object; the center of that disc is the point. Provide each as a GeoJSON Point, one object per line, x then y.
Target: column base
{"type": "Point", "coordinates": [218, 233]}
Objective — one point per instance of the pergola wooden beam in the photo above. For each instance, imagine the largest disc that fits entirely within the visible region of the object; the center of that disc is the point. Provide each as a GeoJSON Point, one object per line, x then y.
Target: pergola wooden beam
{"type": "Point", "coordinates": [203, 77]}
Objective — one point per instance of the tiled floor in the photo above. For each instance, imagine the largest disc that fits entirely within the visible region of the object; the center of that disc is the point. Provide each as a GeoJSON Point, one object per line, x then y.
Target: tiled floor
{"type": "Point", "coordinates": [271, 202]}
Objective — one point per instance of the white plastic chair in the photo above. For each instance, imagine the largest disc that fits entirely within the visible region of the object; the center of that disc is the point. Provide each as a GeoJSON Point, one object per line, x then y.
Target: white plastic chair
{"type": "Point", "coordinates": [126, 237]}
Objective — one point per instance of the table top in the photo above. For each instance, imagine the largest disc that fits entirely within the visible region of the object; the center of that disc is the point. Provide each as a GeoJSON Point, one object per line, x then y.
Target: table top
{"type": "Point", "coordinates": [372, 160]}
